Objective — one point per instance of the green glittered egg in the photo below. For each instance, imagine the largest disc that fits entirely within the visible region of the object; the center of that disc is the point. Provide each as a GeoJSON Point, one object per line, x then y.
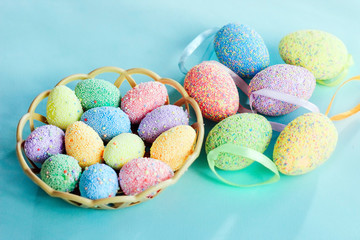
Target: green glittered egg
{"type": "Point", "coordinates": [97, 93]}
{"type": "Point", "coordinates": [61, 172]}
{"type": "Point", "coordinates": [247, 130]}
{"type": "Point", "coordinates": [63, 107]}
{"type": "Point", "coordinates": [304, 144]}
{"type": "Point", "coordinates": [320, 52]}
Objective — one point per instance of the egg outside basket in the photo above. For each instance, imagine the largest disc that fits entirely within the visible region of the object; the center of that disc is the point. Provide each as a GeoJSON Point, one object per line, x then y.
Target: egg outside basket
{"type": "Point", "coordinates": [120, 200]}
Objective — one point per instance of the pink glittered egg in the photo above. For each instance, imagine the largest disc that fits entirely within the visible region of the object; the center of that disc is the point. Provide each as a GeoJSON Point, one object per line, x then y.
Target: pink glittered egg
{"type": "Point", "coordinates": [284, 78]}
{"type": "Point", "coordinates": [142, 99]}
{"type": "Point", "coordinates": [213, 89]}
{"type": "Point", "coordinates": [141, 173]}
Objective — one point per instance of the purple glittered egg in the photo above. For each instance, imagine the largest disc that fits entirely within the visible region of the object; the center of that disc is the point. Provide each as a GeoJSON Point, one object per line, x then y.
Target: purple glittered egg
{"type": "Point", "coordinates": [293, 80]}
{"type": "Point", "coordinates": [160, 120]}
{"type": "Point", "coordinates": [44, 142]}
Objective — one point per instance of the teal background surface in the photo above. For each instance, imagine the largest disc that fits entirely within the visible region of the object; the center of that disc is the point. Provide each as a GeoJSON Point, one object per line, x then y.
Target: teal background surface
{"type": "Point", "coordinates": [44, 41]}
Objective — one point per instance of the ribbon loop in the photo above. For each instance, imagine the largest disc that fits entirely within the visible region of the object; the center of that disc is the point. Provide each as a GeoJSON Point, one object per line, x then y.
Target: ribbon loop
{"type": "Point", "coordinates": [247, 153]}
{"type": "Point", "coordinates": [193, 45]}
{"type": "Point", "coordinates": [346, 114]}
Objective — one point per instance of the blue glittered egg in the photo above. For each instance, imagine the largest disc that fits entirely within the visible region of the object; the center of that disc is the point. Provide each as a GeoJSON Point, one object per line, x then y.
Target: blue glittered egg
{"type": "Point", "coordinates": [241, 49]}
{"type": "Point", "coordinates": [98, 181]}
{"type": "Point", "coordinates": [108, 122]}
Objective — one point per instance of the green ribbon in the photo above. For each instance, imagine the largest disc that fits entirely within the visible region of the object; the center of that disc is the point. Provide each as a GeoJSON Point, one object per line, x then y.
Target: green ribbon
{"type": "Point", "coordinates": [247, 153]}
{"type": "Point", "coordinates": [337, 80]}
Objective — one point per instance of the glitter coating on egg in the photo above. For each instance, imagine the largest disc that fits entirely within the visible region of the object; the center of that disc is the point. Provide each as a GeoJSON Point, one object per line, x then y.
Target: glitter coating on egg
{"type": "Point", "coordinates": [108, 122]}
{"type": "Point", "coordinates": [160, 120]}
{"type": "Point", "coordinates": [142, 99]}
{"type": "Point", "coordinates": [241, 49]}
{"type": "Point", "coordinates": [98, 181]}
{"type": "Point", "coordinates": [63, 107]}
{"type": "Point", "coordinates": [213, 89]}
{"type": "Point", "coordinates": [84, 144]}
{"type": "Point", "coordinates": [246, 130]}
{"type": "Point", "coordinates": [44, 142]}
{"type": "Point", "coordinates": [305, 143]}
{"type": "Point", "coordinates": [320, 52]}
{"type": "Point", "coordinates": [139, 174]}
{"type": "Point", "coordinates": [293, 80]}
{"type": "Point", "coordinates": [174, 146]}
{"type": "Point", "coordinates": [97, 93]}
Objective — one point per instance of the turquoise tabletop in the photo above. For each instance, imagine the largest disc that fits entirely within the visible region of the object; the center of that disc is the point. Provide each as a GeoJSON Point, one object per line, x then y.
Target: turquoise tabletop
{"type": "Point", "coordinates": [44, 41]}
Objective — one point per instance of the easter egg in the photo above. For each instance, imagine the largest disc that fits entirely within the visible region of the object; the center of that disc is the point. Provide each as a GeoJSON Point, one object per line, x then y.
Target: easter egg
{"type": "Point", "coordinates": [63, 107]}
{"type": "Point", "coordinates": [320, 52]}
{"type": "Point", "coordinates": [142, 99]}
{"type": "Point", "coordinates": [44, 142]}
{"type": "Point", "coordinates": [61, 172]}
{"type": "Point", "coordinates": [97, 93]}
{"type": "Point", "coordinates": [304, 144]}
{"type": "Point", "coordinates": [213, 89]}
{"type": "Point", "coordinates": [98, 181]}
{"type": "Point", "coordinates": [123, 148]}
{"type": "Point", "coordinates": [293, 80]}
{"type": "Point", "coordinates": [241, 49]}
{"type": "Point", "coordinates": [160, 120]}
{"type": "Point", "coordinates": [139, 174]}
{"type": "Point", "coordinates": [174, 146]}
{"type": "Point", "coordinates": [84, 144]}
{"type": "Point", "coordinates": [246, 130]}
{"type": "Point", "coordinates": [108, 122]}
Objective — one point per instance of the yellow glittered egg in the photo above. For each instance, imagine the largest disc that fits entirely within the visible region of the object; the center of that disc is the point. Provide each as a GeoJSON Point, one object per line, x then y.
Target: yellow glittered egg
{"type": "Point", "coordinates": [304, 144]}
{"type": "Point", "coordinates": [84, 144]}
{"type": "Point", "coordinates": [174, 146]}
{"type": "Point", "coordinates": [63, 107]}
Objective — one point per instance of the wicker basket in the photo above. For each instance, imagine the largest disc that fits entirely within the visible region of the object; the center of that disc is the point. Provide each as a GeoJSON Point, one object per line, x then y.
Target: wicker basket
{"type": "Point", "coordinates": [120, 200]}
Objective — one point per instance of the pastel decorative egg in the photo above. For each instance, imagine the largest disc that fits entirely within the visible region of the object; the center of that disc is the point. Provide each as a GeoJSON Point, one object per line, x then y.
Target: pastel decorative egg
{"type": "Point", "coordinates": [160, 120]}
{"type": "Point", "coordinates": [294, 80]}
{"type": "Point", "coordinates": [61, 172]}
{"type": "Point", "coordinates": [241, 49]}
{"type": "Point", "coordinates": [44, 142]}
{"type": "Point", "coordinates": [63, 107]}
{"type": "Point", "coordinates": [98, 181]}
{"type": "Point", "coordinates": [213, 89]}
{"type": "Point", "coordinates": [108, 122]}
{"type": "Point", "coordinates": [174, 146]}
{"type": "Point", "coordinates": [123, 148]}
{"type": "Point", "coordinates": [304, 144]}
{"type": "Point", "coordinates": [142, 99]}
{"type": "Point", "coordinates": [97, 93]}
{"type": "Point", "coordinates": [320, 52]}
{"type": "Point", "coordinates": [84, 144]}
{"type": "Point", "coordinates": [139, 174]}
{"type": "Point", "coordinates": [246, 130]}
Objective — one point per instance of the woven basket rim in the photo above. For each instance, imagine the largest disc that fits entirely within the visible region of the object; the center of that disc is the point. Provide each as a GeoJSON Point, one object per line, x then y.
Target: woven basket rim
{"type": "Point", "coordinates": [116, 201]}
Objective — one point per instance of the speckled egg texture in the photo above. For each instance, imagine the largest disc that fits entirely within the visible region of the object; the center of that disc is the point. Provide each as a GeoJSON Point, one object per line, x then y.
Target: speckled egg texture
{"type": "Point", "coordinates": [63, 107]}
{"type": "Point", "coordinates": [142, 99]}
{"type": "Point", "coordinates": [61, 172]}
{"type": "Point", "coordinates": [160, 120]}
{"type": "Point", "coordinates": [320, 52]}
{"type": "Point", "coordinates": [174, 146]}
{"type": "Point", "coordinates": [97, 93]}
{"type": "Point", "coordinates": [304, 144]}
{"type": "Point", "coordinates": [139, 174]}
{"type": "Point", "coordinates": [241, 49]}
{"type": "Point", "coordinates": [108, 122]}
{"type": "Point", "coordinates": [44, 142]}
{"type": "Point", "coordinates": [123, 148]}
{"type": "Point", "coordinates": [293, 80]}
{"type": "Point", "coordinates": [213, 89]}
{"type": "Point", "coordinates": [246, 130]}
{"type": "Point", "coordinates": [84, 144]}
{"type": "Point", "coordinates": [98, 181]}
